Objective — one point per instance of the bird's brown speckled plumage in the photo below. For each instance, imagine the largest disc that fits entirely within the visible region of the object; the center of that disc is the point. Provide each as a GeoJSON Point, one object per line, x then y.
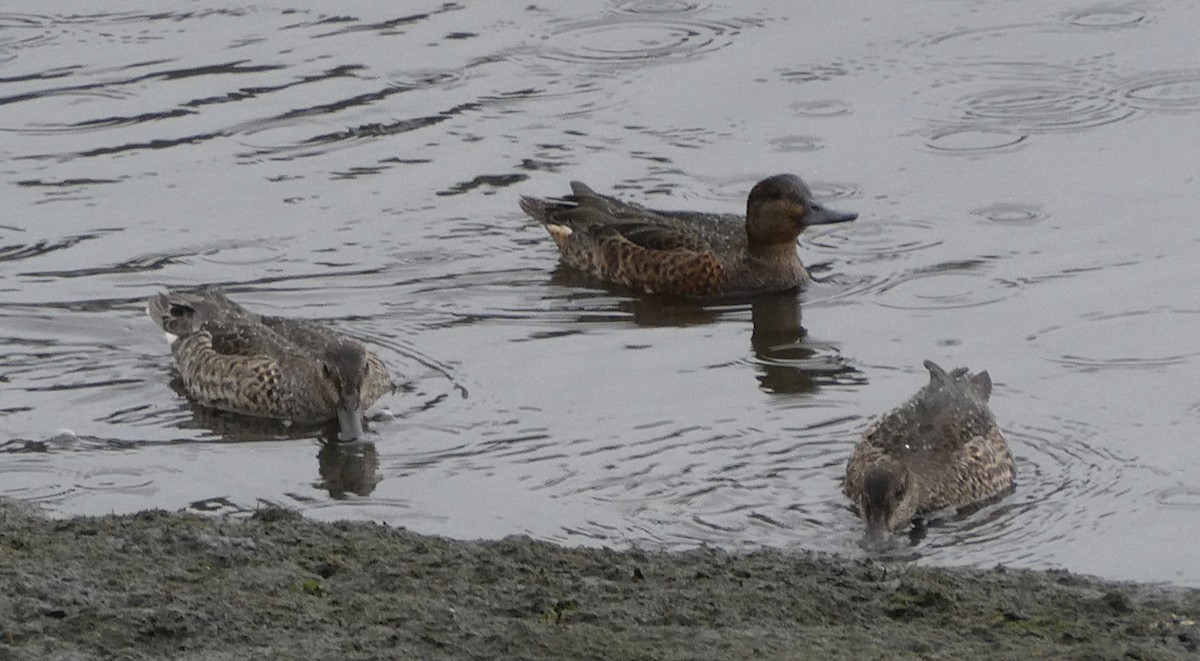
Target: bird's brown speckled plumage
{"type": "Point", "coordinates": [940, 449]}
{"type": "Point", "coordinates": [235, 360]}
{"type": "Point", "coordinates": [685, 252]}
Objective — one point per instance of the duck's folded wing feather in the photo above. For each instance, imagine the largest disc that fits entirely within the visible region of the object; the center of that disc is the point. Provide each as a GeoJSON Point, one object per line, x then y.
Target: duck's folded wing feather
{"type": "Point", "coordinates": [242, 383]}
{"type": "Point", "coordinates": [238, 337]}
{"type": "Point", "coordinates": [613, 256]}
{"type": "Point", "coordinates": [658, 237]}
{"type": "Point", "coordinates": [980, 469]}
{"type": "Point", "coordinates": [304, 334]}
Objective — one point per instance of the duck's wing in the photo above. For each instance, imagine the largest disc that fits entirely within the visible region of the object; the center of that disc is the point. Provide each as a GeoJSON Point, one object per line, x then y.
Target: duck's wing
{"type": "Point", "coordinates": [181, 313]}
{"type": "Point", "coordinates": [948, 438]}
{"type": "Point", "coordinates": [981, 468]}
{"type": "Point", "coordinates": [610, 255]}
{"type": "Point", "coordinates": [303, 333]}
{"type": "Point", "coordinates": [231, 381]}
{"type": "Point", "coordinates": [231, 328]}
{"type": "Point", "coordinates": [942, 417]}
{"type": "Point", "coordinates": [588, 211]}
{"type": "Point", "coordinates": [864, 455]}
{"type": "Point", "coordinates": [314, 340]}
{"type": "Point", "coordinates": [681, 230]}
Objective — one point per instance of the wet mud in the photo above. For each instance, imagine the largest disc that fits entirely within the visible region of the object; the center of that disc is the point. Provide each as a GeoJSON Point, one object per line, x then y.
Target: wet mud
{"type": "Point", "coordinates": [159, 585]}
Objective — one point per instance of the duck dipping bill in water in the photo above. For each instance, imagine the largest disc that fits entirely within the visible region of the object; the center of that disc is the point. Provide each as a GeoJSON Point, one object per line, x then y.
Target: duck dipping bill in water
{"type": "Point", "coordinates": [941, 448]}
{"type": "Point", "coordinates": [235, 360]}
{"type": "Point", "coordinates": [686, 252]}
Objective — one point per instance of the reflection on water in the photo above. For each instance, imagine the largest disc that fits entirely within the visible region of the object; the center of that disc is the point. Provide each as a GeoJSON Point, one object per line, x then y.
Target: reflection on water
{"type": "Point", "coordinates": [235, 428]}
{"type": "Point", "coordinates": [348, 468]}
{"type": "Point", "coordinates": [788, 361]}
{"type": "Point", "coordinates": [1024, 176]}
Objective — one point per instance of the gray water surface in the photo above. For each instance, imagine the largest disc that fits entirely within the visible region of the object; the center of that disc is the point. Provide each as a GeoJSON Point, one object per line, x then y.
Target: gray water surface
{"type": "Point", "coordinates": [1026, 177]}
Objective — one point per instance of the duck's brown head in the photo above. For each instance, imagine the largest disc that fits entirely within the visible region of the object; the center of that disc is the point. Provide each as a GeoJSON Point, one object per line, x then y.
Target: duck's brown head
{"type": "Point", "coordinates": [888, 501]}
{"type": "Point", "coordinates": [344, 367]}
{"type": "Point", "coordinates": [780, 207]}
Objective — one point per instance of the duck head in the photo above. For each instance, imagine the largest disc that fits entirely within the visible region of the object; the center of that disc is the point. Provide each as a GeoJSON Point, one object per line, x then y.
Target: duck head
{"type": "Point", "coordinates": [888, 501]}
{"type": "Point", "coordinates": [344, 366]}
{"type": "Point", "coordinates": [780, 207]}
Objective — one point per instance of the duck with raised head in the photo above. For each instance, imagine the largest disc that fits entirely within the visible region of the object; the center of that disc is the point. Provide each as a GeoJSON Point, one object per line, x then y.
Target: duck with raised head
{"type": "Point", "coordinates": [942, 448]}
{"type": "Point", "coordinates": [687, 253]}
{"type": "Point", "coordinates": [291, 369]}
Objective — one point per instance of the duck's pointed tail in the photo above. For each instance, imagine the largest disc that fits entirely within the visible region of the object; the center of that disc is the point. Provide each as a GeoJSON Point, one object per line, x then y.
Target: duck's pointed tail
{"type": "Point", "coordinates": [554, 215]}
{"type": "Point", "coordinates": [172, 314]}
{"type": "Point", "coordinates": [181, 313]}
{"type": "Point", "coordinates": [538, 209]}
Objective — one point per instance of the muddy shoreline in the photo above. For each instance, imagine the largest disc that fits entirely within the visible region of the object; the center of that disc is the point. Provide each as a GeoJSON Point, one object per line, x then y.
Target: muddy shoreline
{"type": "Point", "coordinates": [158, 585]}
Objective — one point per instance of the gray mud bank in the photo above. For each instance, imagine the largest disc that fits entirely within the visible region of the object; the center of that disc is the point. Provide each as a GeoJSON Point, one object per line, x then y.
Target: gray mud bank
{"type": "Point", "coordinates": [159, 585]}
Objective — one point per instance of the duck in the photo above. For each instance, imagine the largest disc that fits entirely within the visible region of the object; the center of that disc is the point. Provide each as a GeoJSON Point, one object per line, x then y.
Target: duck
{"type": "Point", "coordinates": [942, 448]}
{"type": "Point", "coordinates": [687, 253]}
{"type": "Point", "coordinates": [235, 360]}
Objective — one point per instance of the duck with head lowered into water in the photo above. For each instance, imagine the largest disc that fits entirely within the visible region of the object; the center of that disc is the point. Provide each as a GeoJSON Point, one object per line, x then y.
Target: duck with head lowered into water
{"type": "Point", "coordinates": [273, 367]}
{"type": "Point", "coordinates": [942, 448]}
{"type": "Point", "coordinates": [687, 253]}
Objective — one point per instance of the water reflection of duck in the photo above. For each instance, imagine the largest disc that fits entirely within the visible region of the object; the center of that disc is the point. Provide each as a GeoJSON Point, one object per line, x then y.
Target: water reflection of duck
{"type": "Point", "coordinates": [685, 252]}
{"type": "Point", "coordinates": [239, 428]}
{"type": "Point", "coordinates": [348, 468]}
{"type": "Point", "coordinates": [940, 449]}
{"type": "Point", "coordinates": [235, 360]}
{"type": "Point", "coordinates": [788, 360]}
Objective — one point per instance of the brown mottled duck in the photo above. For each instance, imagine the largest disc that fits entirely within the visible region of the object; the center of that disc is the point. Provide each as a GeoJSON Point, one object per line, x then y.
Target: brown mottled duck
{"type": "Point", "coordinates": [685, 252]}
{"type": "Point", "coordinates": [291, 369]}
{"type": "Point", "coordinates": [940, 449]}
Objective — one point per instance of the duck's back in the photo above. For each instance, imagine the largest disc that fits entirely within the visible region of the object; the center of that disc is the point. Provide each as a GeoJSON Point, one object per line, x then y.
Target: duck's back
{"type": "Point", "coordinates": [309, 339]}
{"type": "Point", "coordinates": [654, 229]}
{"type": "Point", "coordinates": [676, 252]}
{"type": "Point", "coordinates": [228, 359]}
{"type": "Point", "coordinates": [233, 329]}
{"type": "Point", "coordinates": [236, 360]}
{"type": "Point", "coordinates": [982, 468]}
{"type": "Point", "coordinates": [947, 437]}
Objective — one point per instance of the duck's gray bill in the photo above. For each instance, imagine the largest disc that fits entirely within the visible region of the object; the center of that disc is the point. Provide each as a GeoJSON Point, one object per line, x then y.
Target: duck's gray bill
{"type": "Point", "coordinates": [822, 215]}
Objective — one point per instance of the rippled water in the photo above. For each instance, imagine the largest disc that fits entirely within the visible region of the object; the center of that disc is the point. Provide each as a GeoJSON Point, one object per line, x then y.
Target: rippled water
{"type": "Point", "coordinates": [1025, 176]}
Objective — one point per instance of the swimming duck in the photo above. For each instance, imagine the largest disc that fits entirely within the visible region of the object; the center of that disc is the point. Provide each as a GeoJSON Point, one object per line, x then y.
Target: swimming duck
{"type": "Point", "coordinates": [685, 252]}
{"type": "Point", "coordinates": [940, 449]}
{"type": "Point", "coordinates": [235, 360]}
